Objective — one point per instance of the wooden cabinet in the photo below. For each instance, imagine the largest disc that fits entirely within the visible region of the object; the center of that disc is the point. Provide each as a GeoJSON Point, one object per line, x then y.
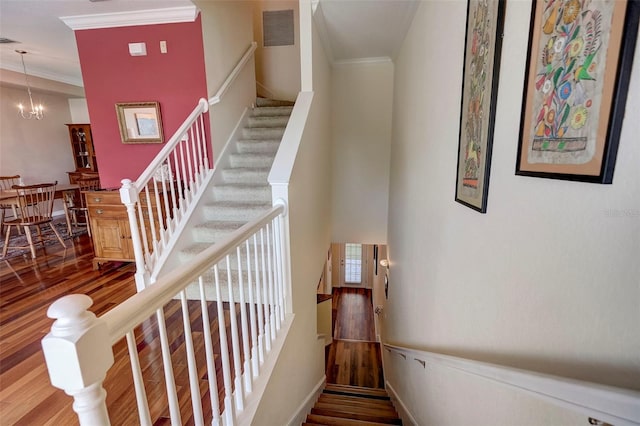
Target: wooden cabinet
{"type": "Point", "coordinates": [109, 227]}
{"type": "Point", "coordinates": [84, 157]}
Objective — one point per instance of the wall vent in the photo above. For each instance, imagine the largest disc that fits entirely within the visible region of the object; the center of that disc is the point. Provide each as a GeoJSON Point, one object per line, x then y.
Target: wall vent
{"type": "Point", "coordinates": [277, 28]}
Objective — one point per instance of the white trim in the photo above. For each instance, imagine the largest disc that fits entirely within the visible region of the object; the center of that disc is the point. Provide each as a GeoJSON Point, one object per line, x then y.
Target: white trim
{"type": "Point", "coordinates": [305, 407]}
{"type": "Point", "coordinates": [609, 404]}
{"type": "Point", "coordinates": [362, 61]}
{"type": "Point", "coordinates": [170, 15]}
{"type": "Point", "coordinates": [46, 74]}
{"type": "Point", "coordinates": [286, 156]}
{"type": "Point", "coordinates": [399, 405]}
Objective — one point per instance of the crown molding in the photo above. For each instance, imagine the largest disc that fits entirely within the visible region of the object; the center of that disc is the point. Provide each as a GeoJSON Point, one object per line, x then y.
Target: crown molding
{"type": "Point", "coordinates": [169, 15]}
{"type": "Point", "coordinates": [46, 74]}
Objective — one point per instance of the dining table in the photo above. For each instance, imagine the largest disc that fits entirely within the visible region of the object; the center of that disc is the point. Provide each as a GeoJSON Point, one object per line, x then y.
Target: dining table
{"type": "Point", "coordinates": [63, 192]}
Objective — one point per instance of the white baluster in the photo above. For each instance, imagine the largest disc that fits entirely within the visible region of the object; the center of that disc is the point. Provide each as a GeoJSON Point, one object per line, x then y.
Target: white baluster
{"type": "Point", "coordinates": [252, 318]}
{"type": "Point", "coordinates": [191, 362]}
{"type": "Point", "coordinates": [78, 355]}
{"type": "Point", "coordinates": [259, 310]}
{"type": "Point", "coordinates": [235, 341]}
{"type": "Point", "coordinates": [229, 409]}
{"type": "Point", "coordinates": [272, 310]}
{"type": "Point", "coordinates": [211, 367]}
{"type": "Point", "coordinates": [172, 397]}
{"type": "Point", "coordinates": [278, 271]}
{"type": "Point", "coordinates": [265, 295]}
{"type": "Point", "coordinates": [245, 326]}
{"type": "Point", "coordinates": [138, 383]}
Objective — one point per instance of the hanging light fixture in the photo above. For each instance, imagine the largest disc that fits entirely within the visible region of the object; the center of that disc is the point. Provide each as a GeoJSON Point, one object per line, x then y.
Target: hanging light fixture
{"type": "Point", "coordinates": [37, 111]}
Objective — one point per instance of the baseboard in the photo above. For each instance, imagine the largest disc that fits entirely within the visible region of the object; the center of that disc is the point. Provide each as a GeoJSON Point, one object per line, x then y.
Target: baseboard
{"type": "Point", "coordinates": [403, 411]}
{"type": "Point", "coordinates": [305, 408]}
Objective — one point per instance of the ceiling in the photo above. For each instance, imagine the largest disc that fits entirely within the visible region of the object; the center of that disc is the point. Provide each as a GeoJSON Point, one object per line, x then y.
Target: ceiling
{"type": "Point", "coordinates": [351, 29]}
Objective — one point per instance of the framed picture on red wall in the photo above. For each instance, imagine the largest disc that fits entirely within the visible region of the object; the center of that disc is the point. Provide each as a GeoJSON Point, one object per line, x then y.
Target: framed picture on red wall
{"type": "Point", "coordinates": [140, 122]}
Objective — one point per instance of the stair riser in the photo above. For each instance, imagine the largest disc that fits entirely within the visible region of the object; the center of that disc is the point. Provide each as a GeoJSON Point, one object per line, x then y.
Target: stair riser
{"type": "Point", "coordinates": [229, 213]}
{"type": "Point", "coordinates": [274, 121]}
{"type": "Point", "coordinates": [250, 160]}
{"type": "Point", "coordinates": [271, 111]}
{"type": "Point", "coordinates": [246, 176]}
{"type": "Point", "coordinates": [235, 193]}
{"type": "Point", "coordinates": [258, 146]}
{"type": "Point", "coordinates": [262, 133]}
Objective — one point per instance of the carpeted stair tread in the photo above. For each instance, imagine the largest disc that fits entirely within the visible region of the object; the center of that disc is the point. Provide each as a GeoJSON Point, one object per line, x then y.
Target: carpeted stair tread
{"type": "Point", "coordinates": [262, 132]}
{"type": "Point", "coordinates": [238, 210]}
{"type": "Point", "coordinates": [268, 121]}
{"type": "Point", "coordinates": [271, 111]}
{"type": "Point", "coordinates": [265, 102]}
{"type": "Point", "coordinates": [251, 160]}
{"type": "Point", "coordinates": [258, 145]}
{"type": "Point", "coordinates": [243, 192]}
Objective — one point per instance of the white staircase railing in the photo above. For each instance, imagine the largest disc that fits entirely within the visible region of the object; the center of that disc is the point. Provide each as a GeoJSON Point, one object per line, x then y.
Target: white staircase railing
{"type": "Point", "coordinates": [160, 201]}
{"type": "Point", "coordinates": [163, 197]}
{"type": "Point", "coordinates": [242, 276]}
{"type": "Point", "coordinates": [602, 404]}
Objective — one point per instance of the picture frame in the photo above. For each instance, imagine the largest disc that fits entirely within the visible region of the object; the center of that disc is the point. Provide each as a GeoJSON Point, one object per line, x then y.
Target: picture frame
{"type": "Point", "coordinates": [139, 122]}
{"type": "Point", "coordinates": [576, 83]}
{"type": "Point", "coordinates": [483, 45]}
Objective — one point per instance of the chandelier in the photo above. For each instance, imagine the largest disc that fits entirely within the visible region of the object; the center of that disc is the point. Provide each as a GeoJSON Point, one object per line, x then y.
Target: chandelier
{"type": "Point", "coordinates": [37, 111]}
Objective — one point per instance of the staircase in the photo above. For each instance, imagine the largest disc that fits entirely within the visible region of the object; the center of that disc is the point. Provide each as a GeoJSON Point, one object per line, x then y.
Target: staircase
{"type": "Point", "coordinates": [353, 406]}
{"type": "Point", "coordinates": [243, 193]}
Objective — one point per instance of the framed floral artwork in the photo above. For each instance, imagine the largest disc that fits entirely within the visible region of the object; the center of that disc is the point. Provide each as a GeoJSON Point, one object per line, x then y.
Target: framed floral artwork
{"type": "Point", "coordinates": [577, 78]}
{"type": "Point", "coordinates": [485, 21]}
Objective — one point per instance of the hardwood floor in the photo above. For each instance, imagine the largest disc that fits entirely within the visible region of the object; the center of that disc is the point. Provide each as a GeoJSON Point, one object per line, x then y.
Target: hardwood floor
{"type": "Point", "coordinates": [354, 357]}
{"type": "Point", "coordinates": [28, 288]}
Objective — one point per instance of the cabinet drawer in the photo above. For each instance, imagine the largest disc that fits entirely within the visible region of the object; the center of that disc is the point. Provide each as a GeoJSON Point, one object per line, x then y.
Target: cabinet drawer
{"type": "Point", "coordinates": [103, 197]}
{"type": "Point", "coordinates": [108, 211]}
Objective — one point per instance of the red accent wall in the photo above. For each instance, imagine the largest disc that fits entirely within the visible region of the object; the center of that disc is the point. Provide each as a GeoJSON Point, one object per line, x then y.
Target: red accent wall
{"type": "Point", "coordinates": [176, 80]}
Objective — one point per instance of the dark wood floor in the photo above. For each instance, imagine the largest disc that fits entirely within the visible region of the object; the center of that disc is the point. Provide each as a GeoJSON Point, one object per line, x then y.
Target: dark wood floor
{"type": "Point", "coordinates": [28, 287]}
{"type": "Point", "coordinates": [354, 357]}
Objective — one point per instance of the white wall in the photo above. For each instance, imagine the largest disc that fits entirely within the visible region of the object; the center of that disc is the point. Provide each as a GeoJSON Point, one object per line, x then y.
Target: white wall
{"type": "Point", "coordinates": [227, 32]}
{"type": "Point", "coordinates": [278, 67]}
{"type": "Point", "coordinates": [37, 150]}
{"type": "Point", "coordinates": [362, 99]}
{"type": "Point", "coordinates": [546, 280]}
{"type": "Point", "coordinates": [79, 111]}
{"type": "Point", "coordinates": [309, 221]}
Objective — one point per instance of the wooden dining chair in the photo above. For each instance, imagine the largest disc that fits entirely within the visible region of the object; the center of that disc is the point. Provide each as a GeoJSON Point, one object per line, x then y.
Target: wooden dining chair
{"type": "Point", "coordinates": [35, 205]}
{"type": "Point", "coordinates": [85, 184]}
{"type": "Point", "coordinates": [6, 182]}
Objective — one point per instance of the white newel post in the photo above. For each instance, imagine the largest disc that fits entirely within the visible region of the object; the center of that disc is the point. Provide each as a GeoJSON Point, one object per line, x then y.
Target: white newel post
{"type": "Point", "coordinates": [129, 197]}
{"type": "Point", "coordinates": [78, 355]}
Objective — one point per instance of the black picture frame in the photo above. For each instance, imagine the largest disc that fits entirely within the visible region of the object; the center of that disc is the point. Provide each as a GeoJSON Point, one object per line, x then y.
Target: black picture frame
{"type": "Point", "coordinates": [483, 45]}
{"type": "Point", "coordinates": [593, 81]}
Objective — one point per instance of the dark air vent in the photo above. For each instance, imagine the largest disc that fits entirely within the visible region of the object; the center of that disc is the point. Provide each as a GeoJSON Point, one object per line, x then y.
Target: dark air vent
{"type": "Point", "coordinates": [277, 28]}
